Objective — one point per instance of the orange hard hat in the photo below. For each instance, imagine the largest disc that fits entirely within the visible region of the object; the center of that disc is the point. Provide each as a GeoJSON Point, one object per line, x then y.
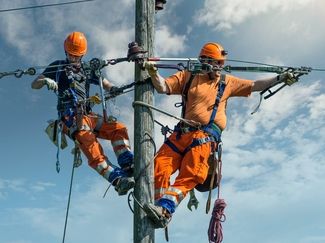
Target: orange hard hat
{"type": "Point", "coordinates": [213, 50]}
{"type": "Point", "coordinates": [76, 44]}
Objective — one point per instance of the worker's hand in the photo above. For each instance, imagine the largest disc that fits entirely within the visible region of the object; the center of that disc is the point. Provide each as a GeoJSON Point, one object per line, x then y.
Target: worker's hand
{"type": "Point", "coordinates": [50, 83]}
{"type": "Point", "coordinates": [288, 78]}
{"type": "Point", "coordinates": [151, 68]}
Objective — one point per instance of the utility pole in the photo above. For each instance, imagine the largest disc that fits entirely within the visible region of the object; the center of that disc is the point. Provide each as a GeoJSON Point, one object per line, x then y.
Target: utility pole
{"type": "Point", "coordinates": [143, 126]}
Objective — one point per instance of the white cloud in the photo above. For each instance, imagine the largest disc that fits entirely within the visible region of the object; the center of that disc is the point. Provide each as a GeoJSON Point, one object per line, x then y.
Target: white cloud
{"type": "Point", "coordinates": [317, 108]}
{"type": "Point", "coordinates": [9, 188]}
{"type": "Point", "coordinates": [277, 153]}
{"type": "Point", "coordinates": [273, 161]}
{"type": "Point", "coordinates": [41, 186]}
{"type": "Point", "coordinates": [168, 43]}
{"type": "Point", "coordinates": [14, 185]}
{"type": "Point", "coordinates": [107, 218]}
{"type": "Point", "coordinates": [224, 14]}
{"type": "Point", "coordinates": [18, 29]}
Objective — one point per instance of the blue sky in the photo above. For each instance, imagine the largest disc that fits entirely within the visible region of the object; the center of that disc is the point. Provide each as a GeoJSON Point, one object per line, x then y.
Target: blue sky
{"type": "Point", "coordinates": [273, 162]}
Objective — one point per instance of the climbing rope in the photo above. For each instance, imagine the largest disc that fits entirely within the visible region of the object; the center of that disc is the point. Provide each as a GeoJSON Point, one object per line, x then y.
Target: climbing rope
{"type": "Point", "coordinates": [135, 200]}
{"type": "Point", "coordinates": [76, 163]}
{"type": "Point", "coordinates": [68, 205]}
{"type": "Point", "coordinates": [188, 122]}
{"type": "Point", "coordinates": [215, 228]}
{"type": "Point", "coordinates": [58, 134]}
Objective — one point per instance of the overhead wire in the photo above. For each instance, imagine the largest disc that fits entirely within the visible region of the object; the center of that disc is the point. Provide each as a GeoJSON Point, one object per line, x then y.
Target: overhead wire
{"type": "Point", "coordinates": [272, 65]}
{"type": "Point", "coordinates": [22, 71]}
{"type": "Point", "coordinates": [318, 69]}
{"type": "Point", "coordinates": [251, 62]}
{"type": "Point", "coordinates": [44, 5]}
{"type": "Point", "coordinates": [32, 70]}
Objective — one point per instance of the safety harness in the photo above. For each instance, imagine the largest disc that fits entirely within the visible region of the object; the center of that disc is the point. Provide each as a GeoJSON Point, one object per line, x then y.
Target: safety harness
{"type": "Point", "coordinates": [68, 101]}
{"type": "Point", "coordinates": [211, 128]}
{"type": "Point", "coordinates": [72, 105]}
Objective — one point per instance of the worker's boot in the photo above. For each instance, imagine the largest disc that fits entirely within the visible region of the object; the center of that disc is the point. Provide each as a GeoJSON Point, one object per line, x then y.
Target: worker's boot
{"type": "Point", "coordinates": [159, 216]}
{"type": "Point", "coordinates": [123, 185]}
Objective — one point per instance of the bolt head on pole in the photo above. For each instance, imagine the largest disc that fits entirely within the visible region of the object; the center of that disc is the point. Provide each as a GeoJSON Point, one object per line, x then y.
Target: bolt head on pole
{"type": "Point", "coordinates": [160, 4]}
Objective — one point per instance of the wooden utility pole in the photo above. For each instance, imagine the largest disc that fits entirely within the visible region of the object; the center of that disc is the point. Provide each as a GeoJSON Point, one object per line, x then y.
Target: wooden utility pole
{"type": "Point", "coordinates": [143, 126]}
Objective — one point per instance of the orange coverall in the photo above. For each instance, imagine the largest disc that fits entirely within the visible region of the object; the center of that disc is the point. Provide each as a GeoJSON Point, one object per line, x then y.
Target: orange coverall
{"type": "Point", "coordinates": [114, 131]}
{"type": "Point", "coordinates": [193, 166]}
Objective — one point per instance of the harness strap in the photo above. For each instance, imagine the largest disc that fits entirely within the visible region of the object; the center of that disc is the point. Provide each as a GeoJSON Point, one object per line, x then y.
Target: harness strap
{"type": "Point", "coordinates": [195, 142]}
{"type": "Point", "coordinates": [173, 146]}
{"type": "Point", "coordinates": [57, 74]}
{"type": "Point", "coordinates": [211, 128]}
{"type": "Point", "coordinates": [57, 165]}
{"type": "Point", "coordinates": [185, 92]}
{"type": "Point", "coordinates": [221, 89]}
{"type": "Point", "coordinates": [55, 130]}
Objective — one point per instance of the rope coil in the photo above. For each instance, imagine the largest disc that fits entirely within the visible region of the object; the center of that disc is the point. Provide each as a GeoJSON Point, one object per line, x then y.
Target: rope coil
{"type": "Point", "coordinates": [215, 228]}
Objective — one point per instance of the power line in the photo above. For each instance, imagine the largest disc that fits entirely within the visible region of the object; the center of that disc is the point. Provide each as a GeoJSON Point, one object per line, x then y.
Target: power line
{"type": "Point", "coordinates": [251, 62]}
{"type": "Point", "coordinates": [318, 69]}
{"type": "Point", "coordinates": [43, 6]}
{"type": "Point", "coordinates": [273, 68]}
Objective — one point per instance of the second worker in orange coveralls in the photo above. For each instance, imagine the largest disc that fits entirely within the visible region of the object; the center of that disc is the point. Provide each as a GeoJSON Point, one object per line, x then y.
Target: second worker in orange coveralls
{"type": "Point", "coordinates": [71, 82]}
{"type": "Point", "coordinates": [188, 148]}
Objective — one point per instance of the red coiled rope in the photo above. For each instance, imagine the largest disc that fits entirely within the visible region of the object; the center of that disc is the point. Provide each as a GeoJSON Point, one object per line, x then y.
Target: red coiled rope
{"type": "Point", "coordinates": [215, 228]}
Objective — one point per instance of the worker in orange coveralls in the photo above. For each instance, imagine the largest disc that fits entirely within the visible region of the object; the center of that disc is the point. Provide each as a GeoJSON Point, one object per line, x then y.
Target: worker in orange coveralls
{"type": "Point", "coordinates": [188, 148]}
{"type": "Point", "coordinates": [71, 82]}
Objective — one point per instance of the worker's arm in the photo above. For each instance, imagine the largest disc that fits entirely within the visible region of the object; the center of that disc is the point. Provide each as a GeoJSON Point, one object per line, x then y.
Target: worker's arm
{"type": "Point", "coordinates": [262, 84]}
{"type": "Point", "coordinates": [157, 80]}
{"type": "Point", "coordinates": [41, 80]}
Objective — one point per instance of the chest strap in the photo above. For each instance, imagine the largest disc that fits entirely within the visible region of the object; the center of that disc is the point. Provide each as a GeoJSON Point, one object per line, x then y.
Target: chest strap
{"type": "Point", "coordinates": [221, 89]}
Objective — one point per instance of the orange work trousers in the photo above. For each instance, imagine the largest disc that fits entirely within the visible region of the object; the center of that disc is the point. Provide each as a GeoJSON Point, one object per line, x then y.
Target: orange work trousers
{"type": "Point", "coordinates": [88, 142]}
{"type": "Point", "coordinates": [193, 166]}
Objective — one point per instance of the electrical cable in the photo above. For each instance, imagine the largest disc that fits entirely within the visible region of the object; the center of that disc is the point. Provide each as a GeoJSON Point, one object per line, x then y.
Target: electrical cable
{"type": "Point", "coordinates": [43, 6]}
{"type": "Point", "coordinates": [19, 72]}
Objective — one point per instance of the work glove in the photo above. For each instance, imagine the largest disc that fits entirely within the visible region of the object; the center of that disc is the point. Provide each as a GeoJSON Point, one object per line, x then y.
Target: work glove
{"type": "Point", "coordinates": [151, 68]}
{"type": "Point", "coordinates": [50, 83]}
{"type": "Point", "coordinates": [114, 90]}
{"type": "Point", "coordinates": [288, 78]}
